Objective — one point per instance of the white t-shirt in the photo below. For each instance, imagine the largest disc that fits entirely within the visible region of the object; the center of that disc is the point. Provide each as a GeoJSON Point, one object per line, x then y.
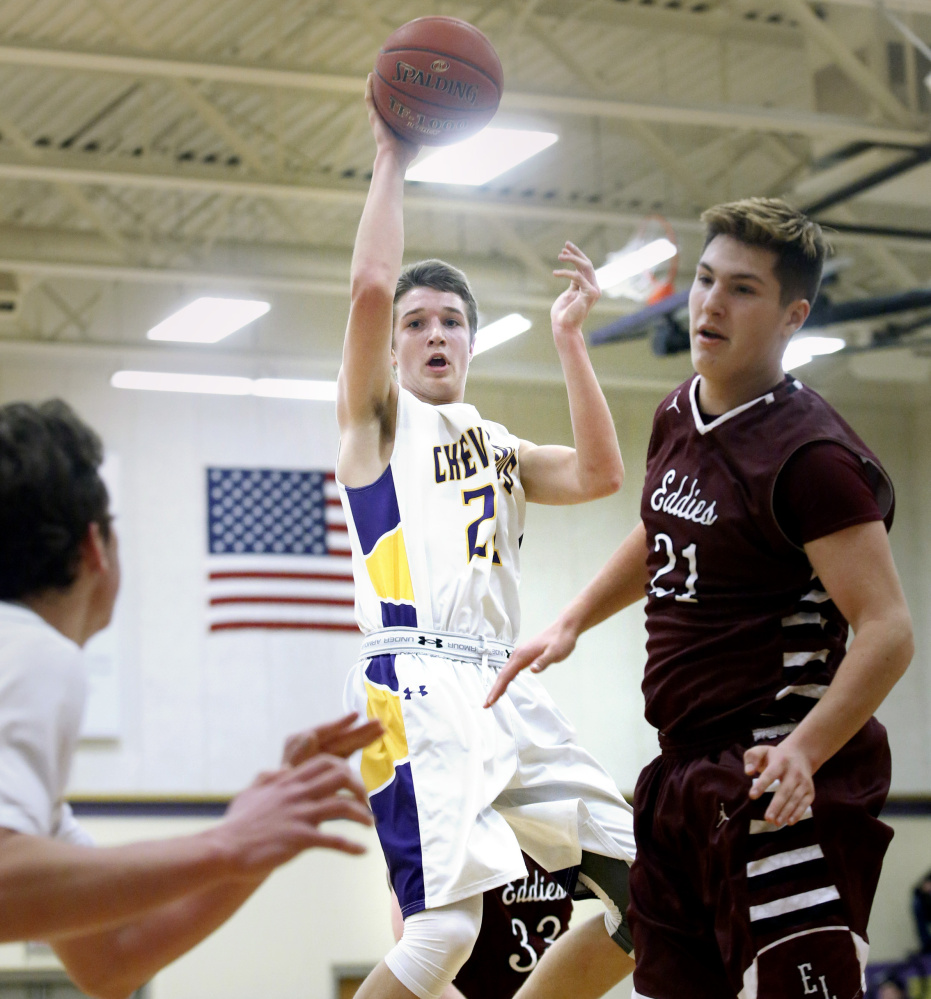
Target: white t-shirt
{"type": "Point", "coordinates": [42, 691]}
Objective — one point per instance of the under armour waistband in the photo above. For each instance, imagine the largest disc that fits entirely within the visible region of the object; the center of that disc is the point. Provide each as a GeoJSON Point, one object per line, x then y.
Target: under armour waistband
{"type": "Point", "coordinates": [440, 643]}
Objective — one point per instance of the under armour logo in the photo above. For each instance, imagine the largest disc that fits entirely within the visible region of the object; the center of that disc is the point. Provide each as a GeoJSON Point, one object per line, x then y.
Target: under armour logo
{"type": "Point", "coordinates": [436, 642]}
{"type": "Point", "coordinates": [722, 816]}
{"type": "Point", "coordinates": [674, 404]}
{"type": "Point", "coordinates": [422, 691]}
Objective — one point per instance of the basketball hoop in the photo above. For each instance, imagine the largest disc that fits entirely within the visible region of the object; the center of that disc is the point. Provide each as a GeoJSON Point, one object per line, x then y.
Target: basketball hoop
{"type": "Point", "coordinates": [653, 250]}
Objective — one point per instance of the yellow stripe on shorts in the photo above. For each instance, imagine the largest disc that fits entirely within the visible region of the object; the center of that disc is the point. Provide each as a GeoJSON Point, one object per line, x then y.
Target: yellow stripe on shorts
{"type": "Point", "coordinates": [379, 758]}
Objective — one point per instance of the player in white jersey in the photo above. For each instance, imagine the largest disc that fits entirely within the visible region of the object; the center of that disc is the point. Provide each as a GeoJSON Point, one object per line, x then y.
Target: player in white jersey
{"type": "Point", "coordinates": [115, 916]}
{"type": "Point", "coordinates": [434, 498]}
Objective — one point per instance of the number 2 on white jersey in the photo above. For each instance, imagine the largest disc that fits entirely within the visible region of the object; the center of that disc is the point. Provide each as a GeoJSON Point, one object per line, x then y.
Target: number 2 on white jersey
{"type": "Point", "coordinates": [690, 553]}
{"type": "Point", "coordinates": [487, 496]}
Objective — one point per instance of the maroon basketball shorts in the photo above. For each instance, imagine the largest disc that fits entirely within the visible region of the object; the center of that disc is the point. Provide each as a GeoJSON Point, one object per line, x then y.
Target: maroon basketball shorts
{"type": "Point", "coordinates": [725, 904]}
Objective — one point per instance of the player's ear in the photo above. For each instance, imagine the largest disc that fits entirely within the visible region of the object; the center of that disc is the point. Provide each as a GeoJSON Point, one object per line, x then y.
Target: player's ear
{"type": "Point", "coordinates": [798, 312]}
{"type": "Point", "coordinates": [93, 549]}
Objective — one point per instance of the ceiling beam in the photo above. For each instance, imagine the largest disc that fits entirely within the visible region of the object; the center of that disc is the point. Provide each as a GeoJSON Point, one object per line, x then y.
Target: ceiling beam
{"type": "Point", "coordinates": [72, 194]}
{"type": "Point", "coordinates": [568, 55]}
{"type": "Point", "coordinates": [851, 66]}
{"type": "Point", "coordinates": [909, 161]}
{"type": "Point", "coordinates": [904, 6]}
{"type": "Point", "coordinates": [354, 198]}
{"type": "Point", "coordinates": [285, 270]}
{"type": "Point", "coordinates": [535, 264]}
{"type": "Point", "coordinates": [186, 90]}
{"type": "Point", "coordinates": [899, 273]}
{"type": "Point", "coordinates": [72, 316]}
{"type": "Point", "coordinates": [674, 164]}
{"type": "Point", "coordinates": [59, 170]}
{"type": "Point", "coordinates": [186, 277]}
{"type": "Point", "coordinates": [723, 20]}
{"type": "Point", "coordinates": [789, 121]}
{"type": "Point", "coordinates": [169, 67]}
{"type": "Point", "coordinates": [778, 120]}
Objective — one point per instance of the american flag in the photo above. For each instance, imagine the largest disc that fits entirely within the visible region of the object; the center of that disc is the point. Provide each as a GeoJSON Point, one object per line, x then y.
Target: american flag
{"type": "Point", "coordinates": [277, 551]}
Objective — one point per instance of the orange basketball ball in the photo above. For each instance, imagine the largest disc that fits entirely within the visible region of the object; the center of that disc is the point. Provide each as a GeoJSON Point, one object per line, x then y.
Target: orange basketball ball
{"type": "Point", "coordinates": [437, 80]}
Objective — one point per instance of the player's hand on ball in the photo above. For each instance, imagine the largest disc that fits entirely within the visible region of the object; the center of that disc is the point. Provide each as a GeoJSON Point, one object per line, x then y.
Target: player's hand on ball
{"type": "Point", "coordinates": [572, 307]}
{"type": "Point", "coordinates": [385, 136]}
{"type": "Point", "coordinates": [550, 646]}
{"type": "Point", "coordinates": [787, 772]}
{"type": "Point", "coordinates": [338, 738]}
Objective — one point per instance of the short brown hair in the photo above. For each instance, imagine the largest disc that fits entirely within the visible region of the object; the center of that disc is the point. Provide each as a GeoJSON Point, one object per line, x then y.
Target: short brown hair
{"type": "Point", "coordinates": [771, 223]}
{"type": "Point", "coordinates": [441, 276]}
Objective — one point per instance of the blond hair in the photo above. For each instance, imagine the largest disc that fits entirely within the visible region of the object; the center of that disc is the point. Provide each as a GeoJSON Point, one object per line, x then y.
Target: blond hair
{"type": "Point", "coordinates": [771, 223]}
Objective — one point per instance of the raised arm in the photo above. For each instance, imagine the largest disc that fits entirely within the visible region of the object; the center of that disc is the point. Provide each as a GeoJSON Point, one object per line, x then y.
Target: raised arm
{"type": "Point", "coordinates": [855, 565]}
{"type": "Point", "coordinates": [593, 468]}
{"type": "Point", "coordinates": [620, 583]}
{"type": "Point", "coordinates": [366, 391]}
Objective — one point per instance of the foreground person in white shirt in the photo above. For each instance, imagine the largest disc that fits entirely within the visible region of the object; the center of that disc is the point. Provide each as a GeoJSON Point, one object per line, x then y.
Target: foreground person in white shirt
{"type": "Point", "coordinates": [114, 916]}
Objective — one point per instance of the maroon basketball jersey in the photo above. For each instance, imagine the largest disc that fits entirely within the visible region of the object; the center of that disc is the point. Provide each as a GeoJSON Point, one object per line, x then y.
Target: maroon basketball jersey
{"type": "Point", "coordinates": [519, 921]}
{"type": "Point", "coordinates": [740, 634]}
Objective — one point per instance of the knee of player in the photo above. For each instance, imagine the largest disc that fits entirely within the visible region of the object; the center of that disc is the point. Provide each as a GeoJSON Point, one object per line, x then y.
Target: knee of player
{"type": "Point", "coordinates": [434, 946]}
{"type": "Point", "coordinates": [460, 929]}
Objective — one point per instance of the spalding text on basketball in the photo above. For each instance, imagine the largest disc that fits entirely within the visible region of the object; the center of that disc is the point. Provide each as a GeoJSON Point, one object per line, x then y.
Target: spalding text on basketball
{"type": "Point", "coordinates": [407, 74]}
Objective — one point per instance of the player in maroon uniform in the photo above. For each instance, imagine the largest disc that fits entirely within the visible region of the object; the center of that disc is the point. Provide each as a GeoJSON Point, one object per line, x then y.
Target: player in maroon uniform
{"type": "Point", "coordinates": [520, 920]}
{"type": "Point", "coordinates": [762, 535]}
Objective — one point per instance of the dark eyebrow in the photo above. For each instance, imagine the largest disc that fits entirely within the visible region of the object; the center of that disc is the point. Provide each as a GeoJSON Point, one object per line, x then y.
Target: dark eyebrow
{"type": "Point", "coordinates": [446, 308]}
{"type": "Point", "coordinates": [732, 277]}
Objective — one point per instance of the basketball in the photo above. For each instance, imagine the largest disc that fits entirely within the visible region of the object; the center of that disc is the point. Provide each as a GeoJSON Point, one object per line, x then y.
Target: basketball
{"type": "Point", "coordinates": [437, 80]}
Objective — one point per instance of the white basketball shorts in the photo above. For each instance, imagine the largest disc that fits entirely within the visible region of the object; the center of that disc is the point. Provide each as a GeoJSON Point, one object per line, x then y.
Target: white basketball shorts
{"type": "Point", "coordinates": [459, 790]}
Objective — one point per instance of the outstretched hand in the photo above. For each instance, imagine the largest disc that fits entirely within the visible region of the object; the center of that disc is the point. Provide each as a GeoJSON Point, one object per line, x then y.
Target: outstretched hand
{"type": "Point", "coordinates": [572, 307]}
{"type": "Point", "coordinates": [279, 814]}
{"type": "Point", "coordinates": [550, 646]}
{"type": "Point", "coordinates": [338, 738]}
{"type": "Point", "coordinates": [788, 772]}
{"type": "Point", "coordinates": [385, 136]}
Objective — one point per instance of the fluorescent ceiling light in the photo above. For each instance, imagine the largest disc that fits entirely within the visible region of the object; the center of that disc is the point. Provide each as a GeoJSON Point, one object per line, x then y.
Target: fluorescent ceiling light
{"type": "Point", "coordinates": [166, 381]}
{"type": "Point", "coordinates": [295, 388]}
{"type": "Point", "coordinates": [480, 158]}
{"type": "Point", "coordinates": [802, 349]}
{"type": "Point", "coordinates": [623, 265]}
{"type": "Point", "coordinates": [500, 330]}
{"type": "Point", "coordinates": [207, 320]}
{"type": "Point", "coordinates": [274, 388]}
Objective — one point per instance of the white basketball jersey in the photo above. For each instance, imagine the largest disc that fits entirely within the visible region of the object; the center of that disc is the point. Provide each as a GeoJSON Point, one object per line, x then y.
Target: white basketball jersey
{"type": "Point", "coordinates": [435, 539]}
